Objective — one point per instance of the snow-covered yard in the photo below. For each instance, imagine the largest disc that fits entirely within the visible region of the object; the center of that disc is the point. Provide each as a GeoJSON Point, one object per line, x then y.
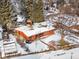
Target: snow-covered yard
{"type": "Point", "coordinates": [60, 54]}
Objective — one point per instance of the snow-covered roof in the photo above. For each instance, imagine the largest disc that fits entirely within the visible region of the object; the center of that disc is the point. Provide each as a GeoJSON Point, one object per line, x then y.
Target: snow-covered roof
{"type": "Point", "coordinates": [72, 39]}
{"type": "Point", "coordinates": [34, 31]}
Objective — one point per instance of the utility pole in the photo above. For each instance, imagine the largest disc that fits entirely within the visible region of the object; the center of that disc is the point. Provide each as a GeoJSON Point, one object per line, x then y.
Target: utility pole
{"type": "Point", "coordinates": [71, 55]}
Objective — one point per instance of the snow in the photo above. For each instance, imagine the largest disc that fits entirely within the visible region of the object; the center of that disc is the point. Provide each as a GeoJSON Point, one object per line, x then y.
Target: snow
{"type": "Point", "coordinates": [36, 56]}
{"type": "Point", "coordinates": [17, 48]}
{"type": "Point", "coordinates": [72, 39]}
{"type": "Point", "coordinates": [11, 46]}
{"type": "Point", "coordinates": [55, 37]}
{"type": "Point", "coordinates": [35, 30]}
{"type": "Point", "coordinates": [36, 45]}
{"type": "Point", "coordinates": [20, 18]}
{"type": "Point", "coordinates": [56, 55]}
{"type": "Point", "coordinates": [39, 46]}
{"type": "Point", "coordinates": [62, 54]}
{"type": "Point", "coordinates": [59, 54]}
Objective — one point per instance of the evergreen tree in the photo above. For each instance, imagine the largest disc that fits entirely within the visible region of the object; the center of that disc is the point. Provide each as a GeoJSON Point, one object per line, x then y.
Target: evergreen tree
{"type": "Point", "coordinates": [5, 10]}
{"type": "Point", "coordinates": [35, 10]}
